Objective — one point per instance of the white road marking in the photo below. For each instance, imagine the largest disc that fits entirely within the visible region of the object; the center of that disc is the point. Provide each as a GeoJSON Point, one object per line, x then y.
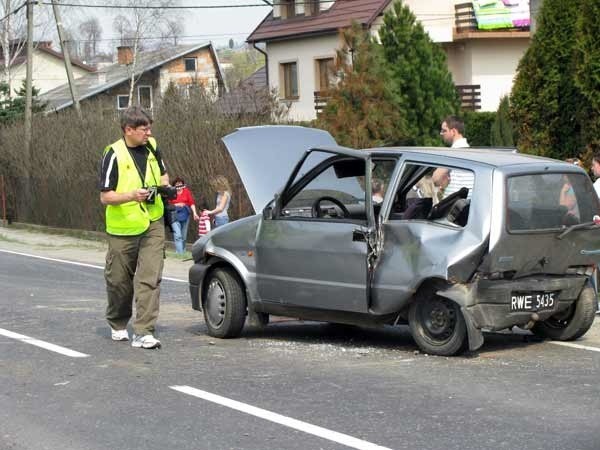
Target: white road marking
{"type": "Point", "coordinates": [579, 346]}
{"type": "Point", "coordinates": [42, 344]}
{"type": "Point", "coordinates": [324, 433]}
{"type": "Point", "coordinates": [75, 263]}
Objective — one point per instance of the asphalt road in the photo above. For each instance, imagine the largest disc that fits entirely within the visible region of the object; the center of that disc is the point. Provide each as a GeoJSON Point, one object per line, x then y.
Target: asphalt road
{"type": "Point", "coordinates": [298, 385]}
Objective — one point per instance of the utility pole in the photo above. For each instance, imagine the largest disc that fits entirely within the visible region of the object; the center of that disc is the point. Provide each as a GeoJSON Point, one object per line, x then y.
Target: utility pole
{"type": "Point", "coordinates": [29, 81]}
{"type": "Point", "coordinates": [66, 57]}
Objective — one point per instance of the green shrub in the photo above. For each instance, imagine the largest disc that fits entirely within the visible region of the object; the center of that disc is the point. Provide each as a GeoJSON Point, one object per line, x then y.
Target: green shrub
{"type": "Point", "coordinates": [546, 104]}
{"type": "Point", "coordinates": [478, 127]}
{"type": "Point", "coordinates": [360, 112]}
{"type": "Point", "coordinates": [58, 185]}
{"type": "Point", "coordinates": [420, 75]}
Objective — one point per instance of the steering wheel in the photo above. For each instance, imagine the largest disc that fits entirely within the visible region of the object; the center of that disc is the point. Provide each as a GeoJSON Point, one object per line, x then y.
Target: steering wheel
{"type": "Point", "coordinates": [316, 206]}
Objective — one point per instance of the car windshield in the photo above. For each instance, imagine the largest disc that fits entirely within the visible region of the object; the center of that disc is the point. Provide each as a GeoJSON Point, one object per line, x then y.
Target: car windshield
{"type": "Point", "coordinates": [550, 201]}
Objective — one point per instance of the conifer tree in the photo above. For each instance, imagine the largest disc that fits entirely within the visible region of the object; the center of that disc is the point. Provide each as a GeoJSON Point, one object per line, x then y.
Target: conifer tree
{"type": "Point", "coordinates": [502, 133]}
{"type": "Point", "coordinates": [546, 105]}
{"type": "Point", "coordinates": [587, 72]}
{"type": "Point", "coordinates": [360, 112]}
{"type": "Point", "coordinates": [425, 90]}
{"type": "Point", "coordinates": [13, 108]}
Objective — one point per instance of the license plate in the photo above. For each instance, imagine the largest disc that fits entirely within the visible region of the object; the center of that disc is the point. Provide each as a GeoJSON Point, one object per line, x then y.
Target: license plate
{"type": "Point", "coordinates": [533, 301]}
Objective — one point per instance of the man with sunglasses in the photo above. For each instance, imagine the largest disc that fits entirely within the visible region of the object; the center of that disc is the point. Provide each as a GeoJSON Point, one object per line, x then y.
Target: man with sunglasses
{"type": "Point", "coordinates": [131, 168]}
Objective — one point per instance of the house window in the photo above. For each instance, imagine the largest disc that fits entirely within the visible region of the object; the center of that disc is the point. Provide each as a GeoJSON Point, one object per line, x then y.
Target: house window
{"type": "Point", "coordinates": [325, 73]}
{"type": "Point", "coordinates": [288, 9]}
{"type": "Point", "coordinates": [122, 101]}
{"type": "Point", "coordinates": [190, 64]}
{"type": "Point", "coordinates": [145, 96]}
{"type": "Point", "coordinates": [311, 7]}
{"type": "Point", "coordinates": [289, 75]}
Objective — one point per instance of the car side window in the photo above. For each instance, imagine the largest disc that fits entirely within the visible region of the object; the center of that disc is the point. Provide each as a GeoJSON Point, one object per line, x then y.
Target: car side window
{"type": "Point", "coordinates": [335, 193]}
{"type": "Point", "coordinates": [427, 192]}
{"type": "Point", "coordinates": [381, 174]}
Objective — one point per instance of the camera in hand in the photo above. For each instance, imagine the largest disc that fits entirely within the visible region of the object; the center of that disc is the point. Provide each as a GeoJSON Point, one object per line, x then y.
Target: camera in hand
{"type": "Point", "coordinates": [166, 191]}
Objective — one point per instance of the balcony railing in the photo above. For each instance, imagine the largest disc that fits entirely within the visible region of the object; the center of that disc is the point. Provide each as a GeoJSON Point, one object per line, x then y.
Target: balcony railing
{"type": "Point", "coordinates": [470, 96]}
{"type": "Point", "coordinates": [466, 25]}
{"type": "Point", "coordinates": [464, 17]}
{"type": "Point", "coordinates": [320, 101]}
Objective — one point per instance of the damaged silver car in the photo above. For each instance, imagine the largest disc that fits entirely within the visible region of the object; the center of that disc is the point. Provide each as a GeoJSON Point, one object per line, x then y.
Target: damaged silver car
{"type": "Point", "coordinates": [379, 237]}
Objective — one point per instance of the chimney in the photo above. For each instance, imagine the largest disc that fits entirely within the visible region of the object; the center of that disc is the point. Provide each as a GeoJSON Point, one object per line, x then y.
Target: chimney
{"type": "Point", "coordinates": [125, 55]}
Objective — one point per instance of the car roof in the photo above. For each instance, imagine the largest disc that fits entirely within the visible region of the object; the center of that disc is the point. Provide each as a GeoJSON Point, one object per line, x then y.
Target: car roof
{"type": "Point", "coordinates": [496, 157]}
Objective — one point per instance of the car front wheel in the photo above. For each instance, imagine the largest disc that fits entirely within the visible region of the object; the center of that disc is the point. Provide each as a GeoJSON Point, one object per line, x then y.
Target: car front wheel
{"type": "Point", "coordinates": [224, 304]}
{"type": "Point", "coordinates": [437, 325]}
{"type": "Point", "coordinates": [571, 323]}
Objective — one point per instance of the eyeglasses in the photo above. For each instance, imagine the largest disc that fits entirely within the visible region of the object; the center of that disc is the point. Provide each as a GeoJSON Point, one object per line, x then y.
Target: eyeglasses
{"type": "Point", "coordinates": [144, 129]}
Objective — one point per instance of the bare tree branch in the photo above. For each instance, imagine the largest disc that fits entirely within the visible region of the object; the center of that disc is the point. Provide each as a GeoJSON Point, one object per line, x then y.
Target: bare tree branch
{"type": "Point", "coordinates": [139, 23]}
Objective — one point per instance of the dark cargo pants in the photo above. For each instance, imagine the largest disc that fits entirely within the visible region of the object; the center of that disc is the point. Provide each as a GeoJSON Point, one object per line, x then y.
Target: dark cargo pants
{"type": "Point", "coordinates": [133, 272]}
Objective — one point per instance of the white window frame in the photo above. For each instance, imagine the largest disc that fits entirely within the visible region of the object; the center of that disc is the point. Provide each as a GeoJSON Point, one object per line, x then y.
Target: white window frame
{"type": "Point", "coordinates": [119, 103]}
{"type": "Point", "coordinates": [151, 96]}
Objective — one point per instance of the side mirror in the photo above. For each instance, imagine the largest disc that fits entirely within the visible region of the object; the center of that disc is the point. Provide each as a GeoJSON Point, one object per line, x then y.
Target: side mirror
{"type": "Point", "coordinates": [267, 213]}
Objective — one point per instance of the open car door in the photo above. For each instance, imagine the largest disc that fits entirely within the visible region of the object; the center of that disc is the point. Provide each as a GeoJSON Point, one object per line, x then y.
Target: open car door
{"type": "Point", "coordinates": [312, 252]}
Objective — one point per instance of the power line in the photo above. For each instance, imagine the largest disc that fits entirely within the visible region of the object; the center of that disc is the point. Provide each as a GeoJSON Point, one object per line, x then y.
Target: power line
{"type": "Point", "coordinates": [81, 5]}
{"type": "Point", "coordinates": [248, 5]}
{"type": "Point", "coordinates": [14, 11]}
{"type": "Point", "coordinates": [148, 38]}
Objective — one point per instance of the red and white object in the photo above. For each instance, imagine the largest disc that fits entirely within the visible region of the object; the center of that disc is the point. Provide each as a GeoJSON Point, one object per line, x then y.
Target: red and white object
{"type": "Point", "coordinates": [204, 224]}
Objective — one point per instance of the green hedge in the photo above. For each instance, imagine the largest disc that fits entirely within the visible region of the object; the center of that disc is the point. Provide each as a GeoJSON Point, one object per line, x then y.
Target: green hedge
{"type": "Point", "coordinates": [478, 127]}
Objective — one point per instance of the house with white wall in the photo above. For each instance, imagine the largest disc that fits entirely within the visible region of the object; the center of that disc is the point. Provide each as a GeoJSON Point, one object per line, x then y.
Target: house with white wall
{"type": "Point", "coordinates": [483, 47]}
{"type": "Point", "coordinates": [185, 67]}
{"type": "Point", "coordinates": [48, 67]}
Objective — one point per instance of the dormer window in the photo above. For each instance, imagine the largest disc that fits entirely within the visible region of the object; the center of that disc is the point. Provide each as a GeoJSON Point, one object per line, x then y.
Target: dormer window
{"type": "Point", "coordinates": [311, 7]}
{"type": "Point", "coordinates": [288, 9]}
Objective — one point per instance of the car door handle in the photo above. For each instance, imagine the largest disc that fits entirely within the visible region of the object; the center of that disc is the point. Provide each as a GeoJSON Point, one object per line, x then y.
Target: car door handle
{"type": "Point", "coordinates": [590, 252]}
{"type": "Point", "coordinates": [359, 235]}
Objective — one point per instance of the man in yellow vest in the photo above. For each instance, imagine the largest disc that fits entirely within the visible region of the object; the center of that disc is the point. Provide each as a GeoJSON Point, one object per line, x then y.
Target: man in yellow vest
{"type": "Point", "coordinates": [130, 168]}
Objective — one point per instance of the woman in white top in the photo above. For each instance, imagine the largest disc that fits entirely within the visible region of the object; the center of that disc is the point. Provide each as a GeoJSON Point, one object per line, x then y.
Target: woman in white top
{"type": "Point", "coordinates": [219, 214]}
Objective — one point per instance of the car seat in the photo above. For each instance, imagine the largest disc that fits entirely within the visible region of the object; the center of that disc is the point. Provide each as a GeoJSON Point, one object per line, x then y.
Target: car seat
{"type": "Point", "coordinates": [417, 208]}
{"type": "Point", "coordinates": [443, 207]}
{"type": "Point", "coordinates": [459, 213]}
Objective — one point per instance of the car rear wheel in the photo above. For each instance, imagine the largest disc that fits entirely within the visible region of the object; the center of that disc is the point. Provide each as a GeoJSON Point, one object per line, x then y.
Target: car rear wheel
{"type": "Point", "coordinates": [437, 326]}
{"type": "Point", "coordinates": [571, 323]}
{"type": "Point", "coordinates": [224, 304]}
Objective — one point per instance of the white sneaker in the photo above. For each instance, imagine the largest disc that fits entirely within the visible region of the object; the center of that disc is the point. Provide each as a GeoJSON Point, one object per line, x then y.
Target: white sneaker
{"type": "Point", "coordinates": [147, 341]}
{"type": "Point", "coordinates": [119, 335]}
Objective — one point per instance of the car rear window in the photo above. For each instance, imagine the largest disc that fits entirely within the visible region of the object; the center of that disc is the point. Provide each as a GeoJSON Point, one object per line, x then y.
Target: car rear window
{"type": "Point", "coordinates": [550, 201]}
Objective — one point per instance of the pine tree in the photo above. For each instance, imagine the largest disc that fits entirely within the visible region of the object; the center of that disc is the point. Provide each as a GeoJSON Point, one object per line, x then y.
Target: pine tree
{"type": "Point", "coordinates": [546, 105]}
{"type": "Point", "coordinates": [502, 133]}
{"type": "Point", "coordinates": [360, 111]}
{"type": "Point", "coordinates": [13, 108]}
{"type": "Point", "coordinates": [587, 71]}
{"type": "Point", "coordinates": [423, 84]}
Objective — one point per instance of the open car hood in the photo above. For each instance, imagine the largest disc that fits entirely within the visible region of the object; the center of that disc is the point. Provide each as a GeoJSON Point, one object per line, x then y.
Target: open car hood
{"type": "Point", "coordinates": [265, 156]}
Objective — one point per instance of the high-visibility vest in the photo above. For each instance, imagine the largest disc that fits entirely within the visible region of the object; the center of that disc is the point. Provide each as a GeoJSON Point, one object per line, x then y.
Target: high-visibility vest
{"type": "Point", "coordinates": [133, 218]}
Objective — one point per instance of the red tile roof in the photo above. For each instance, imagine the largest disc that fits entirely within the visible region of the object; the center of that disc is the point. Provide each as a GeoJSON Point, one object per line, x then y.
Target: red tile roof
{"type": "Point", "coordinates": [340, 15]}
{"type": "Point", "coordinates": [74, 61]}
{"type": "Point", "coordinates": [22, 58]}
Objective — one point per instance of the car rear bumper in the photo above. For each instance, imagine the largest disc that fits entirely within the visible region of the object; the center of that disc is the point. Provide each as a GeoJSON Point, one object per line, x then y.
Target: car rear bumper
{"type": "Point", "coordinates": [491, 306]}
{"type": "Point", "coordinates": [196, 276]}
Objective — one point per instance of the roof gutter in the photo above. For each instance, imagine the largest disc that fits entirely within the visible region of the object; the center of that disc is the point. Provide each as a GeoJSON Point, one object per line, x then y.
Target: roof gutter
{"type": "Point", "coordinates": [266, 63]}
